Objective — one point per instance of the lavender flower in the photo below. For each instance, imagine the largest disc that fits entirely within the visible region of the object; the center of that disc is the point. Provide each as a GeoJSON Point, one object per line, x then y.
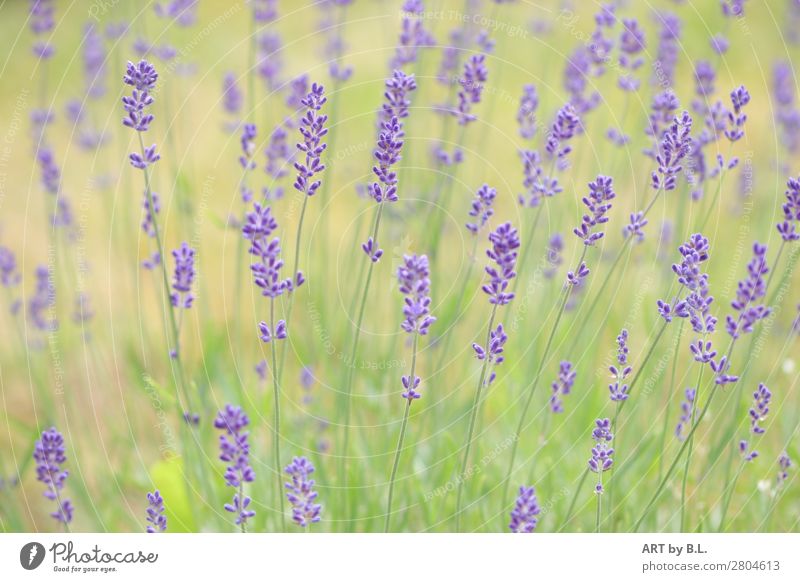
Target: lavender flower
{"type": "Point", "coordinates": [602, 454]}
{"type": "Point", "coordinates": [396, 96]}
{"type": "Point", "coordinates": [269, 64]}
{"type": "Point", "coordinates": [757, 413]}
{"type": "Point", "coordinates": [526, 508]}
{"type": "Point", "coordinates": [748, 292]}
{"type": "Point", "coordinates": [787, 115]}
{"type": "Point", "coordinates": [526, 114]}
{"type": "Point", "coordinates": [784, 462]}
{"type": "Point", "coordinates": [493, 352]}
{"type": "Point", "coordinates": [9, 276]}
{"type": "Point", "coordinates": [183, 12]}
{"type": "Point", "coordinates": [42, 22]}
{"type": "Point", "coordinates": [183, 278]}
{"type": "Point", "coordinates": [412, 35]}
{"type": "Point", "coordinates": [536, 184]}
{"type": "Point", "coordinates": [562, 386]}
{"type": "Point", "coordinates": [301, 494]}
{"type": "Point", "coordinates": [43, 300]}
{"type": "Point", "coordinates": [668, 49]}
{"type": "Point", "coordinates": [631, 43]}
{"type": "Point", "coordinates": [636, 225]}
{"type": "Point", "coordinates": [49, 454]}
{"type": "Point", "coordinates": [235, 450]}
{"type": "Point", "coordinates": [704, 77]}
{"type": "Point", "coordinates": [232, 96]}
{"type": "Point", "coordinates": [554, 260]}
{"type": "Point", "coordinates": [598, 203]}
{"type": "Point", "coordinates": [51, 174]}
{"type": "Point", "coordinates": [505, 242]}
{"type": "Point", "coordinates": [576, 277]}
{"type": "Point", "coordinates": [278, 154]}
{"type": "Point", "coordinates": [736, 118]}
{"type": "Point", "coordinates": [155, 513]}
{"type": "Point", "coordinates": [788, 229]}
{"type": "Point", "coordinates": [687, 406]}
{"type": "Point", "coordinates": [563, 129]}
{"type": "Point", "coordinates": [264, 10]}
{"type": "Point", "coordinates": [675, 145]}
{"type": "Point", "coordinates": [620, 371]}
{"type": "Point", "coordinates": [312, 128]}
{"type": "Point", "coordinates": [142, 78]}
{"type": "Point", "coordinates": [150, 214]}
{"type": "Point", "coordinates": [474, 76]}
{"type": "Point", "coordinates": [413, 278]}
{"type": "Point", "coordinates": [481, 209]}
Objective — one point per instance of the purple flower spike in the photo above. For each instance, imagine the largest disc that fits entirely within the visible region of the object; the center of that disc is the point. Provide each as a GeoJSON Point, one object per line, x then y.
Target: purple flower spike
{"type": "Point", "coordinates": [784, 462]}
{"type": "Point", "coordinates": [410, 392]}
{"type": "Point", "coordinates": [471, 82]}
{"type": "Point", "coordinates": [49, 454]}
{"type": "Point", "coordinates": [412, 35]}
{"type": "Point", "coordinates": [396, 96]}
{"type": "Point", "coordinates": [300, 492]}
{"type": "Point", "coordinates": [636, 225]}
{"type": "Point", "coordinates": [235, 450]}
{"type": "Point", "coordinates": [748, 292]}
{"type": "Point", "coordinates": [788, 229]}
{"type": "Point", "coordinates": [526, 114]}
{"type": "Point", "coordinates": [155, 513]}
{"type": "Point", "coordinates": [631, 44]}
{"type": "Point", "coordinates": [526, 508]}
{"type": "Point", "coordinates": [312, 128]}
{"type": "Point", "coordinates": [494, 352]}
{"type": "Point", "coordinates": [372, 250]}
{"type": "Point", "coordinates": [232, 96]}
{"type": "Point", "coordinates": [721, 368]}
{"type": "Point", "coordinates": [563, 129]}
{"type": "Point", "coordinates": [505, 242]}
{"type": "Point", "coordinates": [248, 142]}
{"type": "Point", "coordinates": [9, 276]}
{"type": "Point", "coordinates": [184, 277]}
{"type": "Point", "coordinates": [390, 144]}
{"type": "Point", "coordinates": [675, 146]}
{"type": "Point", "coordinates": [576, 277]}
{"type": "Point", "coordinates": [601, 192]}
{"type": "Point", "coordinates": [562, 386]}
{"type": "Point", "coordinates": [413, 277]}
{"type": "Point", "coordinates": [42, 21]}
{"type": "Point", "coordinates": [760, 409]}
{"type": "Point", "coordinates": [618, 389]}
{"type": "Point", "coordinates": [481, 209]}
{"type": "Point", "coordinates": [736, 118]}
{"type": "Point", "coordinates": [602, 454]}
{"type": "Point", "coordinates": [686, 413]}
{"type": "Point", "coordinates": [41, 304]}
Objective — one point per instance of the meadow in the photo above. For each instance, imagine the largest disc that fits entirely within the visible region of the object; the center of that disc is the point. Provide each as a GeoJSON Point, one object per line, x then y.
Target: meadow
{"type": "Point", "coordinates": [387, 265]}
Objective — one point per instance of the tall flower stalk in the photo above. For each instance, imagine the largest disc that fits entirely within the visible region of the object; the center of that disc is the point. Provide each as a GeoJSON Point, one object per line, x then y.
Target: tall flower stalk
{"type": "Point", "coordinates": [234, 449]}
{"type": "Point", "coordinates": [387, 155]}
{"type": "Point", "coordinates": [598, 203]}
{"type": "Point", "coordinates": [503, 254]}
{"type": "Point", "coordinates": [50, 455]}
{"type": "Point", "coordinates": [413, 278]}
{"type": "Point", "coordinates": [312, 129]}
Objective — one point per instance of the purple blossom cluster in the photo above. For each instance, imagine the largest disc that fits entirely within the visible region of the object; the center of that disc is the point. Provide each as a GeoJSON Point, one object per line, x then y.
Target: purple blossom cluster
{"type": "Point", "coordinates": [142, 77]}
{"type": "Point", "coordinates": [631, 45]}
{"type": "Point", "coordinates": [747, 310]}
{"type": "Point", "coordinates": [42, 21]}
{"type": "Point", "coordinates": [789, 228]}
{"type": "Point", "coordinates": [413, 277]}
{"type": "Point", "coordinates": [526, 114]}
{"type": "Point", "coordinates": [472, 81]}
{"type": "Point", "coordinates": [183, 277]}
{"type": "Point", "coordinates": [301, 494]}
{"type": "Point", "coordinates": [234, 448]}
{"type": "Point", "coordinates": [481, 210]}
{"type": "Point", "coordinates": [675, 146]}
{"type": "Point", "coordinates": [49, 454]}
{"type": "Point", "coordinates": [493, 352]}
{"type": "Point", "coordinates": [413, 35]}
{"type": "Point", "coordinates": [155, 513]}
{"type": "Point", "coordinates": [505, 242]}
{"type": "Point", "coordinates": [598, 203]}
{"type": "Point", "coordinates": [621, 370]}
{"type": "Point", "coordinates": [526, 509]}
{"type": "Point", "coordinates": [43, 300]}
{"type": "Point", "coordinates": [602, 454]}
{"type": "Point", "coordinates": [757, 414]}
{"type": "Point", "coordinates": [562, 386]}
{"type": "Point", "coordinates": [564, 128]}
{"type": "Point", "coordinates": [668, 49]}
{"type": "Point", "coordinates": [312, 128]}
{"type": "Point", "coordinates": [687, 411]}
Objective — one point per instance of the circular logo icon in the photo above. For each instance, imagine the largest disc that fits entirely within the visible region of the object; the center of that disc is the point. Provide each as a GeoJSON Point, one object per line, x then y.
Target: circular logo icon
{"type": "Point", "coordinates": [31, 555]}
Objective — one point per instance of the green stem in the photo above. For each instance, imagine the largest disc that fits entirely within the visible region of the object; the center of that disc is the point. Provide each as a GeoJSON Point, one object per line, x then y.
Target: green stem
{"type": "Point", "coordinates": [575, 498]}
{"type": "Point", "coordinates": [472, 418]}
{"type": "Point", "coordinates": [728, 495]}
{"type": "Point", "coordinates": [347, 404]}
{"type": "Point", "coordinates": [401, 438]}
{"type": "Point", "coordinates": [276, 432]}
{"type": "Point", "coordinates": [689, 453]}
{"type": "Point", "coordinates": [535, 383]}
{"type": "Point", "coordinates": [663, 438]}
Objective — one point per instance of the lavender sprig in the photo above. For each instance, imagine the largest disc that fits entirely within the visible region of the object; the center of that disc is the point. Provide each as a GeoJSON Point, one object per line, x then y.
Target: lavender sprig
{"type": "Point", "coordinates": [155, 513]}
{"type": "Point", "coordinates": [562, 386]}
{"type": "Point", "coordinates": [50, 455]}
{"type": "Point", "coordinates": [526, 509]}
{"type": "Point", "coordinates": [234, 449]}
{"type": "Point", "coordinates": [300, 492]}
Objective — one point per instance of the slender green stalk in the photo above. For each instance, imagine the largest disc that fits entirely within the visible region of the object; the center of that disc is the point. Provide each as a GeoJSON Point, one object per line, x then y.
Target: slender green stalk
{"type": "Point", "coordinates": [347, 400]}
{"type": "Point", "coordinates": [535, 383]}
{"type": "Point", "coordinates": [572, 503]}
{"type": "Point", "coordinates": [473, 415]}
{"type": "Point", "coordinates": [675, 461]}
{"type": "Point", "coordinates": [599, 503]}
{"type": "Point", "coordinates": [663, 438]}
{"type": "Point", "coordinates": [689, 454]}
{"type": "Point", "coordinates": [401, 438]}
{"type": "Point", "coordinates": [276, 424]}
{"type": "Point", "coordinates": [728, 495]}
